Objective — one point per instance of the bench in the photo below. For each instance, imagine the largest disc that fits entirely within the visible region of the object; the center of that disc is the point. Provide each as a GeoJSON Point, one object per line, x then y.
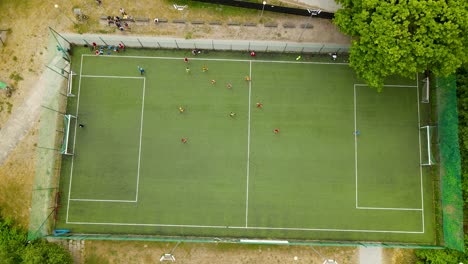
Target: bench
{"type": "Point", "coordinates": [179, 21]}
{"type": "Point", "coordinates": [271, 25]}
{"type": "Point", "coordinates": [250, 24]}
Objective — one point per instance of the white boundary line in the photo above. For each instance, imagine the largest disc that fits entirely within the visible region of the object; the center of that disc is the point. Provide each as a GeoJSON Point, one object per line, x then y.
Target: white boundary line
{"type": "Point", "coordinates": [139, 147]}
{"type": "Point", "coordinates": [356, 153]}
{"type": "Point", "coordinates": [99, 200]}
{"type": "Point", "coordinates": [141, 133]}
{"type": "Point", "coordinates": [209, 59]}
{"type": "Point", "coordinates": [113, 77]}
{"type": "Point", "coordinates": [355, 145]}
{"type": "Point", "coordinates": [253, 227]}
{"type": "Point", "coordinates": [420, 156]}
{"type": "Point", "coordinates": [388, 208]}
{"type": "Point", "coordinates": [248, 162]}
{"type": "Point", "coordinates": [248, 149]}
{"type": "Point", "coordinates": [388, 85]}
{"type": "Point", "coordinates": [74, 138]}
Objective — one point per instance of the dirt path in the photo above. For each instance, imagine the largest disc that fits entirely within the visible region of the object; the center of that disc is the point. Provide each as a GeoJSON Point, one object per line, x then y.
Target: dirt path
{"type": "Point", "coordinates": [370, 255]}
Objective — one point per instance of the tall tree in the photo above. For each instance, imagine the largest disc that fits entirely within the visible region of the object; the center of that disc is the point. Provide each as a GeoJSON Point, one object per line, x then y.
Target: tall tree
{"type": "Point", "coordinates": [404, 37]}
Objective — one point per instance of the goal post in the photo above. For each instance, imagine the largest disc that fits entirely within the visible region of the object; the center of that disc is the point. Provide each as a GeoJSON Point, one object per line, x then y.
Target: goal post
{"type": "Point", "coordinates": [68, 121]}
{"type": "Point", "coordinates": [426, 132]}
{"type": "Point", "coordinates": [425, 91]}
{"type": "Point", "coordinates": [70, 84]}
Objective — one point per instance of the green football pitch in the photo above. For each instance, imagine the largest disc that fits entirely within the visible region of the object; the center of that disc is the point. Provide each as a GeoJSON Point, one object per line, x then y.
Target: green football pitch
{"type": "Point", "coordinates": [316, 179]}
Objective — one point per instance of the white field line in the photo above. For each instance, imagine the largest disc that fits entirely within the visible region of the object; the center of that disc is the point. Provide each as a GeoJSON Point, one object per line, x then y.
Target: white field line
{"type": "Point", "coordinates": [209, 59]}
{"type": "Point", "coordinates": [387, 85]}
{"type": "Point", "coordinates": [112, 76]}
{"type": "Point", "coordinates": [355, 146]}
{"type": "Point", "coordinates": [141, 133]}
{"type": "Point", "coordinates": [103, 200]}
{"type": "Point", "coordinates": [248, 149]}
{"type": "Point", "coordinates": [420, 155]}
{"type": "Point", "coordinates": [252, 227]}
{"type": "Point", "coordinates": [139, 147]}
{"type": "Point", "coordinates": [74, 138]}
{"type": "Point", "coordinates": [388, 208]}
{"type": "Point", "coordinates": [420, 159]}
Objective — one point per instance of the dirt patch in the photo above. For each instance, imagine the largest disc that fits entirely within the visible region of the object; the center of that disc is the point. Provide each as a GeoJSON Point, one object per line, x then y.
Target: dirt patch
{"type": "Point", "coordinates": [150, 252]}
{"type": "Point", "coordinates": [16, 180]}
{"type": "Point", "coordinates": [398, 256]}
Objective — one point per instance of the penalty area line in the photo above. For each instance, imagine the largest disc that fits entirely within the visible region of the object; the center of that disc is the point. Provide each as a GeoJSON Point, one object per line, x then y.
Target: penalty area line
{"type": "Point", "coordinates": [104, 200]}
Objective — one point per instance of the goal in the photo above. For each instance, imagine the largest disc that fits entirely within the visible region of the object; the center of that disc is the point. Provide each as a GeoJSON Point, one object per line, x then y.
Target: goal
{"type": "Point", "coordinates": [427, 132]}
{"type": "Point", "coordinates": [70, 84]}
{"type": "Point", "coordinates": [69, 121]}
{"type": "Point", "coordinates": [425, 91]}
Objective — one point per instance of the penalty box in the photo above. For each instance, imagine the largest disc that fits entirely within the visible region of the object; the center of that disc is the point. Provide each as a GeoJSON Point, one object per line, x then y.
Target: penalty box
{"type": "Point", "coordinates": [111, 111]}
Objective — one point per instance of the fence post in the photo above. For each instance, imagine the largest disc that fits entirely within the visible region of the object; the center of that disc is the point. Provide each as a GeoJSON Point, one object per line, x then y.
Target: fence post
{"type": "Point", "coordinates": [320, 51]}
{"type": "Point", "coordinates": [249, 46]}
{"type": "Point", "coordinates": [140, 42]}
{"type": "Point", "coordinates": [212, 44]}
{"type": "Point", "coordinates": [177, 45]}
{"type": "Point", "coordinates": [285, 46]}
{"type": "Point", "coordinates": [159, 45]}
{"type": "Point", "coordinates": [266, 50]}
{"type": "Point", "coordinates": [103, 41]}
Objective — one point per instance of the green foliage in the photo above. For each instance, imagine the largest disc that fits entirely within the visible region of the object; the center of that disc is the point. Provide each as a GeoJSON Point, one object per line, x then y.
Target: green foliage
{"type": "Point", "coordinates": [431, 256]}
{"type": "Point", "coordinates": [42, 252]}
{"type": "Point", "coordinates": [453, 256]}
{"type": "Point", "coordinates": [404, 37]}
{"type": "Point", "coordinates": [15, 248]}
{"type": "Point", "coordinates": [12, 241]}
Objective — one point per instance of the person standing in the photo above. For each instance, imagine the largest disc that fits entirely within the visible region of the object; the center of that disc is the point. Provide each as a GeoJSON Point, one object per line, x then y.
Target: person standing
{"type": "Point", "coordinates": [142, 71]}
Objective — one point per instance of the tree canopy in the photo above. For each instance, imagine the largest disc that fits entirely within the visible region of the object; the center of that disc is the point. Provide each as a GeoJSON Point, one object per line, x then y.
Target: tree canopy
{"type": "Point", "coordinates": [15, 248]}
{"type": "Point", "coordinates": [404, 37]}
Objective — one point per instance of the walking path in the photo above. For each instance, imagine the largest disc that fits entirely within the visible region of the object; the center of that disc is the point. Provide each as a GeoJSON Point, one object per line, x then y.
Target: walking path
{"type": "Point", "coordinates": [370, 255]}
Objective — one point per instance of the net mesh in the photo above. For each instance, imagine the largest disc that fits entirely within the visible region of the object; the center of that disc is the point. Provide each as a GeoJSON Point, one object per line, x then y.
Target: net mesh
{"type": "Point", "coordinates": [49, 141]}
{"type": "Point", "coordinates": [452, 201]}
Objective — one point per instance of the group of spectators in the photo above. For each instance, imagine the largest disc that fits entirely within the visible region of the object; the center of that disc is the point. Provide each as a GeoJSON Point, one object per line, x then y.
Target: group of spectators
{"type": "Point", "coordinates": [120, 22]}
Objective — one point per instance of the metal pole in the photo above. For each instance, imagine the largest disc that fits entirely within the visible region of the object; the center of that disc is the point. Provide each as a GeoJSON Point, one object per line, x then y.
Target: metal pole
{"type": "Point", "coordinates": [312, 13]}
{"type": "Point", "coordinates": [53, 109]}
{"type": "Point", "coordinates": [263, 8]}
{"type": "Point", "coordinates": [58, 8]}
{"type": "Point", "coordinates": [140, 43]}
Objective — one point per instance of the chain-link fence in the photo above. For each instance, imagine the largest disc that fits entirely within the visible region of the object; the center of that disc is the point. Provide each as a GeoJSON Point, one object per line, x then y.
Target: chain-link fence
{"type": "Point", "coordinates": [205, 44]}
{"type": "Point", "coordinates": [450, 170]}
{"type": "Point", "coordinates": [45, 194]}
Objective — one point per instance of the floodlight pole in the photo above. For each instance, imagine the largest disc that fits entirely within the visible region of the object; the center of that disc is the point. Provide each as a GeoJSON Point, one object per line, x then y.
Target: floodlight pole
{"type": "Point", "coordinates": [263, 8]}
{"type": "Point", "coordinates": [313, 12]}
{"type": "Point", "coordinates": [61, 11]}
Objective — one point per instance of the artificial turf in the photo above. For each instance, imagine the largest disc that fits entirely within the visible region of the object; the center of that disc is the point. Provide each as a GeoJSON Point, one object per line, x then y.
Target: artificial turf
{"type": "Point", "coordinates": [234, 176]}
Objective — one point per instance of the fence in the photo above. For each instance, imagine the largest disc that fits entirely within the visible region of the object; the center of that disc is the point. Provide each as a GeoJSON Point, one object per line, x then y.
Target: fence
{"type": "Point", "coordinates": [450, 170]}
{"type": "Point", "coordinates": [179, 43]}
{"type": "Point", "coordinates": [45, 188]}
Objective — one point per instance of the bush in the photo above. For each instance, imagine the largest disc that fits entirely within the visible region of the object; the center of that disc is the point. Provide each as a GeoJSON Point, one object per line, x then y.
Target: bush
{"type": "Point", "coordinates": [15, 248]}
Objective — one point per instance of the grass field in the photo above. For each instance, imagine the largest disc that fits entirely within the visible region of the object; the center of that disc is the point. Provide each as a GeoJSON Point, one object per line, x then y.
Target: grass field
{"type": "Point", "coordinates": [235, 177]}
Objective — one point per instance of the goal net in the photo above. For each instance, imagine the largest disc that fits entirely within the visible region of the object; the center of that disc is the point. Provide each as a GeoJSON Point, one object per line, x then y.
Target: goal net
{"type": "Point", "coordinates": [69, 121]}
{"type": "Point", "coordinates": [427, 134]}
